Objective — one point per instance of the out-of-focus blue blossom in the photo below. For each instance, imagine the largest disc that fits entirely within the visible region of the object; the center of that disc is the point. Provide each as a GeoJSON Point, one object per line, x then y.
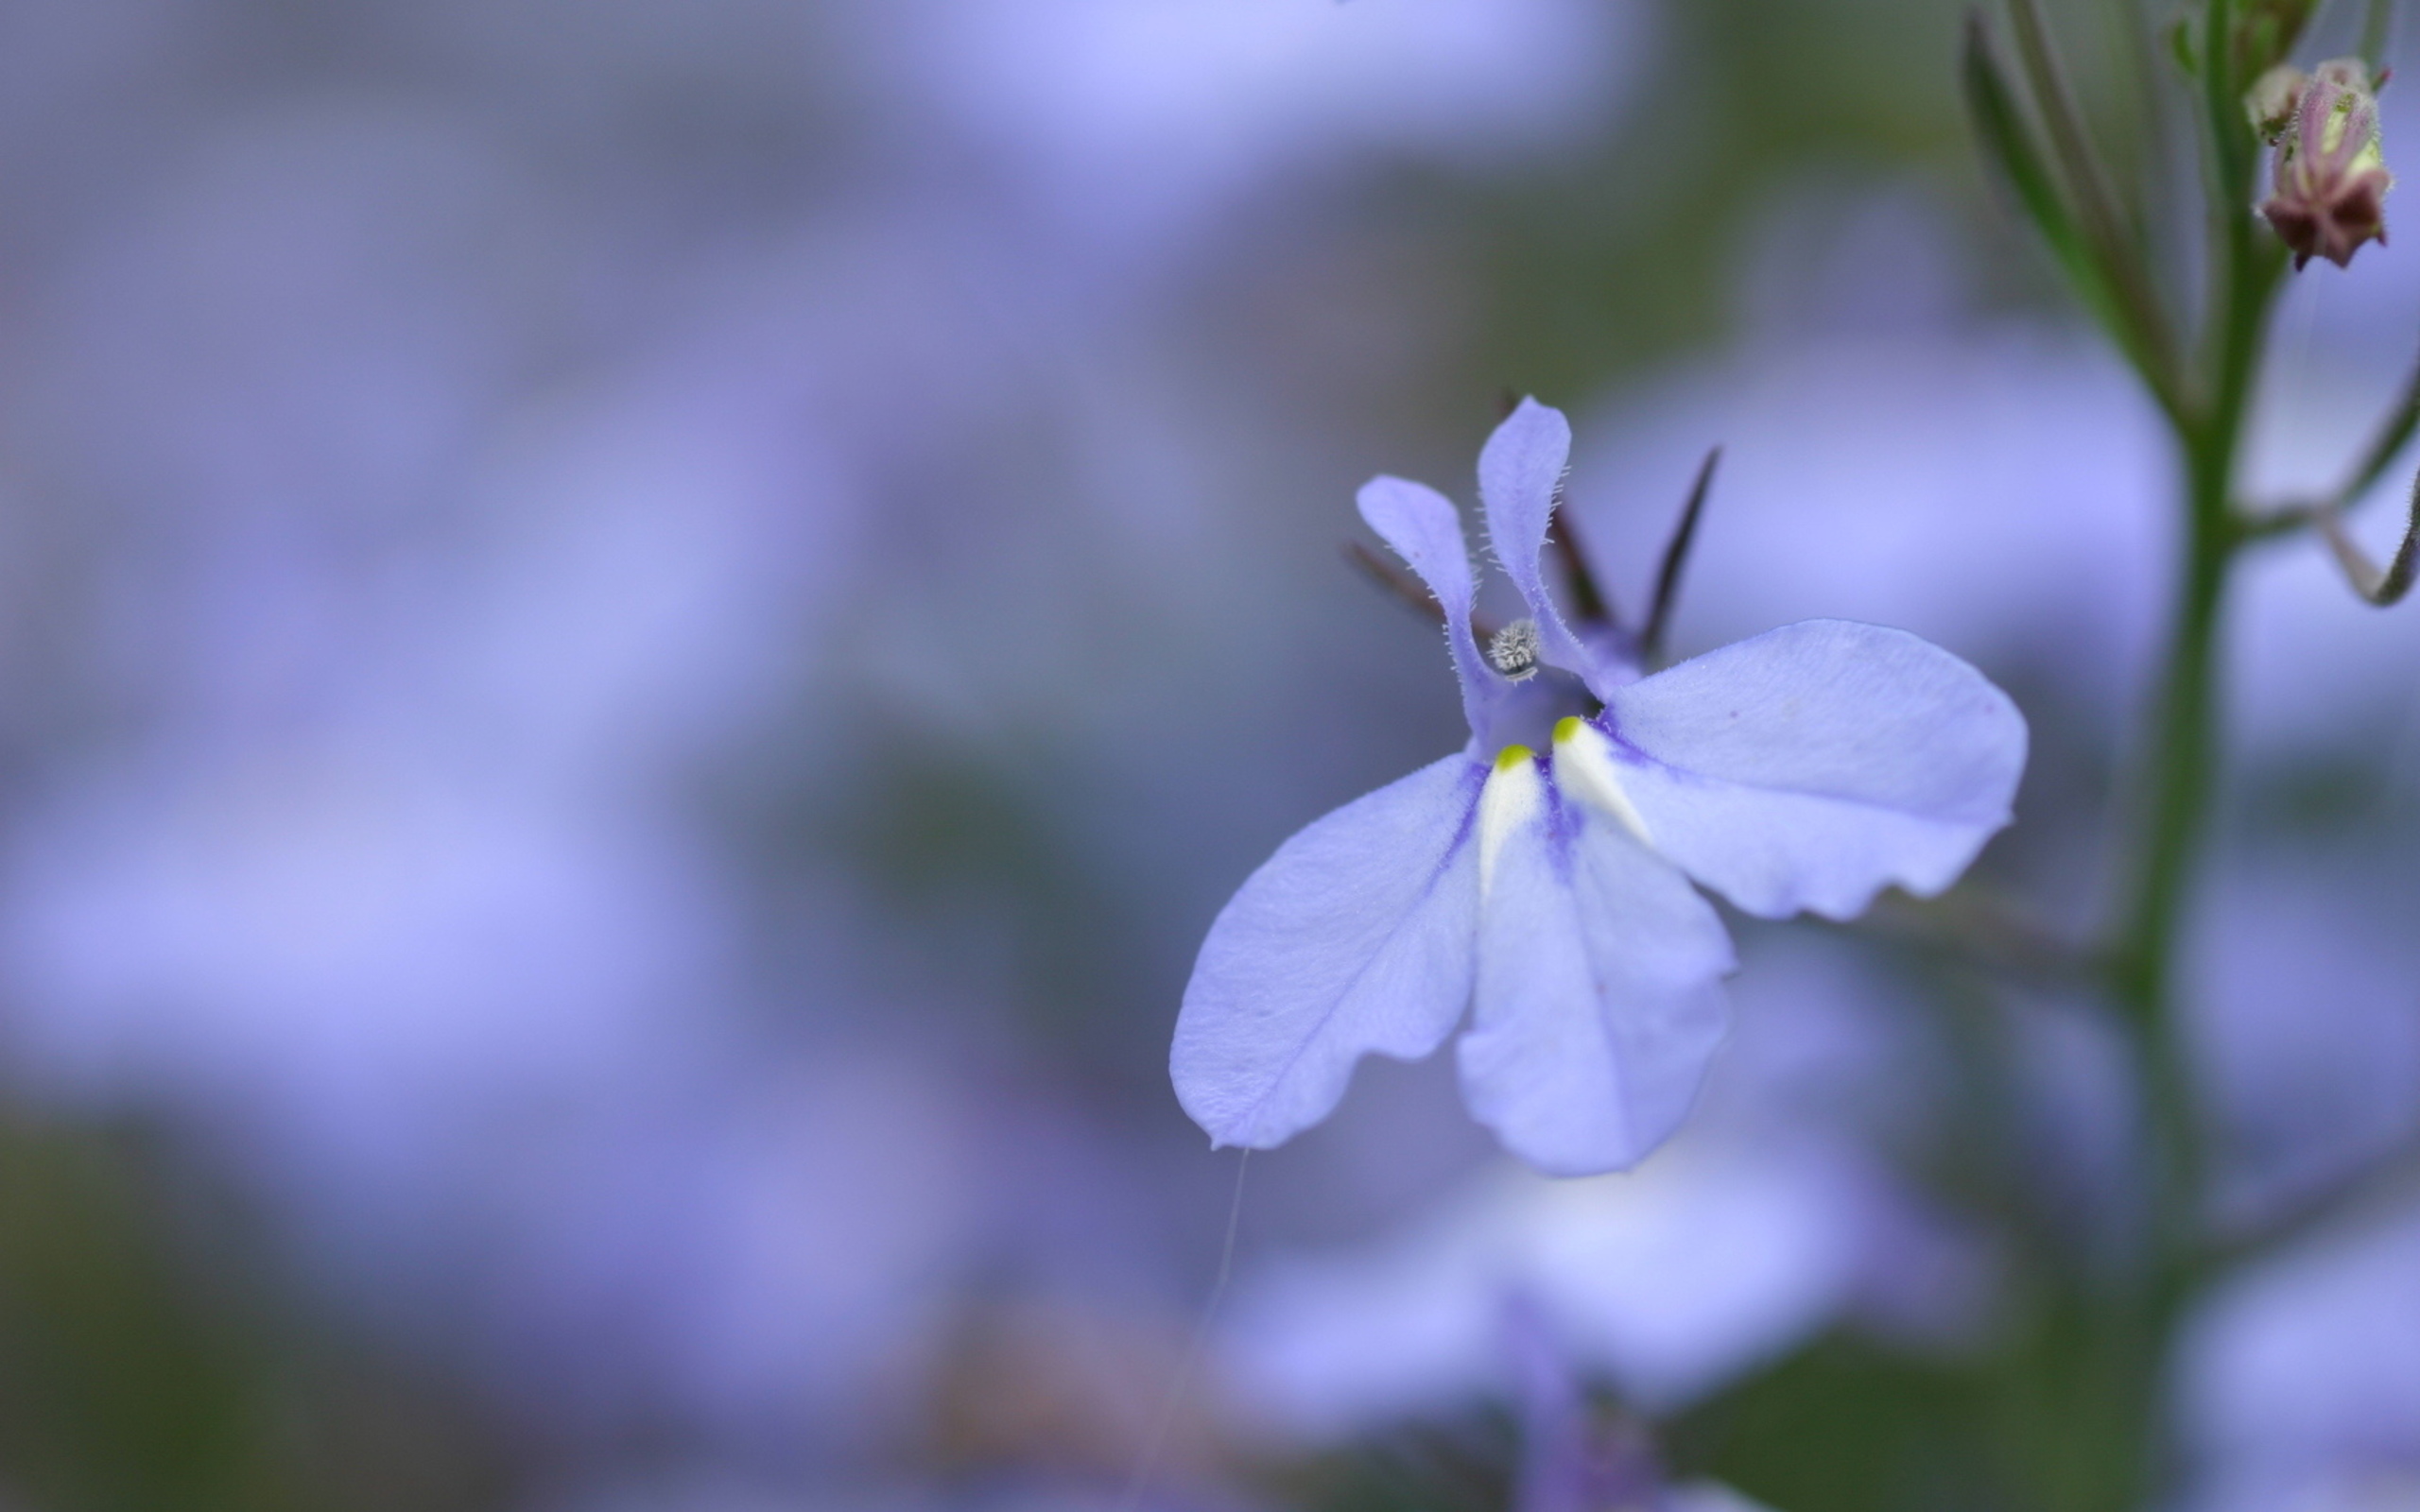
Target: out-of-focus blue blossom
{"type": "Point", "coordinates": [1672, 1281]}
{"type": "Point", "coordinates": [1574, 1459]}
{"type": "Point", "coordinates": [2306, 1027]}
{"type": "Point", "coordinates": [1840, 449]}
{"type": "Point", "coordinates": [2317, 675]}
{"type": "Point", "coordinates": [2297, 1383]}
{"type": "Point", "coordinates": [1805, 769]}
{"type": "Point", "coordinates": [2075, 1114]}
{"type": "Point", "coordinates": [1773, 1215]}
{"type": "Point", "coordinates": [1127, 125]}
{"type": "Point", "coordinates": [446, 440]}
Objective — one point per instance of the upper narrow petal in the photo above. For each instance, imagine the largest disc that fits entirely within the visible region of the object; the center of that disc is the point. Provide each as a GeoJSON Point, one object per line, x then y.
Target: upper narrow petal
{"type": "Point", "coordinates": [1356, 936]}
{"type": "Point", "coordinates": [1812, 765]}
{"type": "Point", "coordinates": [1421, 526]}
{"type": "Point", "coordinates": [1599, 997]}
{"type": "Point", "coordinates": [1520, 468]}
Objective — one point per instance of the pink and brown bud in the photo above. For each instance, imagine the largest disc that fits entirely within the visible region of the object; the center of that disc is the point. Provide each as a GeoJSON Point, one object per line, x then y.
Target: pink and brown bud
{"type": "Point", "coordinates": [2329, 193]}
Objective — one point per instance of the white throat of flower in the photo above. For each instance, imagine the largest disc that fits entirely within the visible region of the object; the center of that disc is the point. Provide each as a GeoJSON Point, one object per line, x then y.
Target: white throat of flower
{"type": "Point", "coordinates": [1512, 798]}
{"type": "Point", "coordinates": [1583, 764]}
{"type": "Point", "coordinates": [1515, 794]}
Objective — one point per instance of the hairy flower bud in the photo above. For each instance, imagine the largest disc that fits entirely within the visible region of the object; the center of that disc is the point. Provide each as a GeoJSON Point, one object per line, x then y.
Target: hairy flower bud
{"type": "Point", "coordinates": [2329, 193]}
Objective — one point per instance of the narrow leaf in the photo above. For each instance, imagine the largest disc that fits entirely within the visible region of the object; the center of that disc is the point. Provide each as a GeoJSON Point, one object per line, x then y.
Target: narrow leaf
{"type": "Point", "coordinates": [2393, 434]}
{"type": "Point", "coordinates": [2105, 232]}
{"type": "Point", "coordinates": [2008, 143]}
{"type": "Point", "coordinates": [2374, 25]}
{"type": "Point", "coordinates": [2382, 587]}
{"type": "Point", "coordinates": [1676, 556]}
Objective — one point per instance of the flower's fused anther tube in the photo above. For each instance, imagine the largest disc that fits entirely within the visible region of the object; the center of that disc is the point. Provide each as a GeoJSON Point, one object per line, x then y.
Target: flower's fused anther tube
{"type": "Point", "coordinates": [1513, 650]}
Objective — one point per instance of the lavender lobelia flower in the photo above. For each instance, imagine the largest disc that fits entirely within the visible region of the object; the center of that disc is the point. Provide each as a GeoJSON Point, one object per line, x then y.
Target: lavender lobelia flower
{"type": "Point", "coordinates": [1549, 894]}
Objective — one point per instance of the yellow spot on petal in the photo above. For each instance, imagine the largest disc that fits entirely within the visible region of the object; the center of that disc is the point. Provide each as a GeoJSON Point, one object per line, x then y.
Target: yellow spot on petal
{"type": "Point", "coordinates": [1512, 756]}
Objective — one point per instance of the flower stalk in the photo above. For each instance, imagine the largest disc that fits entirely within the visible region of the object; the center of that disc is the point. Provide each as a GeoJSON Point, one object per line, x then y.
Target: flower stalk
{"type": "Point", "coordinates": [2328, 181]}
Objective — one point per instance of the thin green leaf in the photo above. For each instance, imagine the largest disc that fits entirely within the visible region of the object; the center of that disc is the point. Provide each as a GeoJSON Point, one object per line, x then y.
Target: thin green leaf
{"type": "Point", "coordinates": [2395, 433]}
{"type": "Point", "coordinates": [2373, 26]}
{"type": "Point", "coordinates": [2111, 236]}
{"type": "Point", "coordinates": [2009, 142]}
{"type": "Point", "coordinates": [2385, 586]}
{"type": "Point", "coordinates": [2097, 210]}
{"type": "Point", "coordinates": [2231, 140]}
{"type": "Point", "coordinates": [2393, 436]}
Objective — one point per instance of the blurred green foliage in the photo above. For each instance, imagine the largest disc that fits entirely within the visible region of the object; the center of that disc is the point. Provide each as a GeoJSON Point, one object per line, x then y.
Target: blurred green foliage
{"type": "Point", "coordinates": [1635, 254]}
{"type": "Point", "coordinates": [147, 1360]}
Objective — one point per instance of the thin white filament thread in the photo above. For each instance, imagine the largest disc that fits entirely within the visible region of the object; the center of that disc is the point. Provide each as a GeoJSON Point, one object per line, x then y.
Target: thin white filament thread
{"type": "Point", "coordinates": [1150, 1459]}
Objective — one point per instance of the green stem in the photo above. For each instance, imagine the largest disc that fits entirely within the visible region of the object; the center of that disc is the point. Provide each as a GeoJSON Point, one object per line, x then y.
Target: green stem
{"type": "Point", "coordinates": [2179, 777]}
{"type": "Point", "coordinates": [2083, 1387]}
{"type": "Point", "coordinates": [2180, 773]}
{"type": "Point", "coordinates": [2110, 1387]}
{"type": "Point", "coordinates": [2178, 782]}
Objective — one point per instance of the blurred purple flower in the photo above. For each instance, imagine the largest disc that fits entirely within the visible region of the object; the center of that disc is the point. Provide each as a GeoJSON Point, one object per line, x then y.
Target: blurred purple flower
{"type": "Point", "coordinates": [1804, 769]}
{"type": "Point", "coordinates": [1134, 125]}
{"type": "Point", "coordinates": [2303, 1027]}
{"type": "Point", "coordinates": [1578, 1459]}
{"type": "Point", "coordinates": [2296, 1380]}
{"type": "Point", "coordinates": [1776, 1214]}
{"type": "Point", "coordinates": [1670, 1284]}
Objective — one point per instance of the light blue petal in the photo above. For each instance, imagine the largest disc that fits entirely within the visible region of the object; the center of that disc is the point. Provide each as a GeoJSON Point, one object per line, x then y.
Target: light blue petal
{"type": "Point", "coordinates": [1520, 468]}
{"type": "Point", "coordinates": [1812, 765]}
{"type": "Point", "coordinates": [1356, 936]}
{"type": "Point", "coordinates": [1423, 527]}
{"type": "Point", "coordinates": [1599, 997]}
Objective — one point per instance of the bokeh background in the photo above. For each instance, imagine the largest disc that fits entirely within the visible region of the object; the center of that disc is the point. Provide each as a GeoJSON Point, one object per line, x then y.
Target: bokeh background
{"type": "Point", "coordinates": [636, 641]}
